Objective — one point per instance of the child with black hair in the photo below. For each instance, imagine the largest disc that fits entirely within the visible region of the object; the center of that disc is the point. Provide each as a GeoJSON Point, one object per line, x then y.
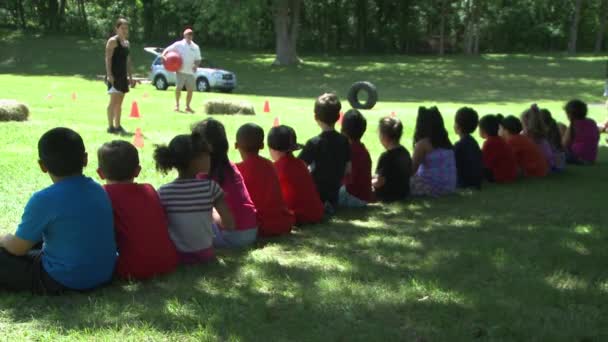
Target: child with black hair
{"type": "Point", "coordinates": [228, 176]}
{"type": "Point", "coordinates": [296, 182]}
{"type": "Point", "coordinates": [499, 162]}
{"type": "Point", "coordinates": [71, 220]}
{"type": "Point", "coordinates": [469, 164]}
{"type": "Point", "coordinates": [189, 201]}
{"type": "Point", "coordinates": [581, 137]}
{"type": "Point", "coordinates": [392, 179]}
{"type": "Point", "coordinates": [262, 183]}
{"type": "Point", "coordinates": [535, 128]}
{"type": "Point", "coordinates": [529, 156]}
{"type": "Point", "coordinates": [140, 223]}
{"type": "Point", "coordinates": [328, 154]}
{"type": "Point", "coordinates": [433, 164]}
{"type": "Point", "coordinates": [554, 139]}
{"type": "Point", "coordinates": [356, 191]}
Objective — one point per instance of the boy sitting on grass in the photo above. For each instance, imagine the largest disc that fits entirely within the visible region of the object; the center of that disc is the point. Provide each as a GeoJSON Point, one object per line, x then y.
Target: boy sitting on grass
{"type": "Point", "coordinates": [328, 154]}
{"type": "Point", "coordinates": [141, 227]}
{"type": "Point", "coordinates": [499, 163]}
{"type": "Point", "coordinates": [469, 163]}
{"type": "Point", "coordinates": [262, 183]}
{"type": "Point", "coordinates": [392, 180]}
{"type": "Point", "coordinates": [297, 185]}
{"type": "Point", "coordinates": [356, 191]}
{"type": "Point", "coordinates": [71, 218]}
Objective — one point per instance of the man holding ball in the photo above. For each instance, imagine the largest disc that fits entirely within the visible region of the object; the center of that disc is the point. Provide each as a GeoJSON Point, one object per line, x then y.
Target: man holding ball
{"type": "Point", "coordinates": [191, 59]}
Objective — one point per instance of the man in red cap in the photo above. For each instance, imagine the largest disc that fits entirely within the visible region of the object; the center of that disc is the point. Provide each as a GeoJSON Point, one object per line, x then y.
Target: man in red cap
{"type": "Point", "coordinates": [191, 58]}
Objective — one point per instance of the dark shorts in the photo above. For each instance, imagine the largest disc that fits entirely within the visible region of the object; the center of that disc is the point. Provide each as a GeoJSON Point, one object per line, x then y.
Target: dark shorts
{"type": "Point", "coordinates": [26, 273]}
{"type": "Point", "coordinates": [120, 83]}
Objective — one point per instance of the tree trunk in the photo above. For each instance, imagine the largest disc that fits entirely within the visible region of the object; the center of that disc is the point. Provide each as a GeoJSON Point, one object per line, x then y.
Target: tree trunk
{"type": "Point", "coordinates": [83, 16]}
{"type": "Point", "coordinates": [21, 11]}
{"type": "Point", "coordinates": [574, 27]}
{"type": "Point", "coordinates": [467, 39]}
{"type": "Point", "coordinates": [148, 16]}
{"type": "Point", "coordinates": [601, 30]}
{"type": "Point", "coordinates": [286, 25]}
{"type": "Point", "coordinates": [361, 17]}
{"type": "Point", "coordinates": [442, 28]}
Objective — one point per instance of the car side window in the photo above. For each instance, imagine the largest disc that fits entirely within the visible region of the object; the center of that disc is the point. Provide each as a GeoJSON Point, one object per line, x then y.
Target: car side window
{"type": "Point", "coordinates": [158, 61]}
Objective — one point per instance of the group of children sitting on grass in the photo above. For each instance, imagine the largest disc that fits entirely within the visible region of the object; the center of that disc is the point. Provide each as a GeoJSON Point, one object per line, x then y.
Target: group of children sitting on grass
{"type": "Point", "coordinates": [75, 235]}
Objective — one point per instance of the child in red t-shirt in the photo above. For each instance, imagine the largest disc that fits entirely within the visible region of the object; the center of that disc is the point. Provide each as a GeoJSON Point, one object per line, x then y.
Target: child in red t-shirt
{"type": "Point", "coordinates": [528, 154]}
{"type": "Point", "coordinates": [144, 246]}
{"type": "Point", "coordinates": [499, 161]}
{"type": "Point", "coordinates": [262, 183]}
{"type": "Point", "coordinates": [356, 190]}
{"type": "Point", "coordinates": [297, 185]}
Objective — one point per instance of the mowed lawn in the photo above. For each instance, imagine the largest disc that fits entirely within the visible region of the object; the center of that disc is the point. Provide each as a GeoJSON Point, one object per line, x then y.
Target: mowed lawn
{"type": "Point", "coordinates": [520, 262]}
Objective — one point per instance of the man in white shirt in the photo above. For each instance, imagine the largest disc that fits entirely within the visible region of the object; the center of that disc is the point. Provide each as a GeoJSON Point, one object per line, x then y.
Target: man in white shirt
{"type": "Point", "coordinates": [191, 59]}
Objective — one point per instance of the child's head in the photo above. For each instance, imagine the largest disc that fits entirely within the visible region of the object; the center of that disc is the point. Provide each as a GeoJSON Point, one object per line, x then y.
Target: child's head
{"type": "Point", "coordinates": [553, 133]}
{"type": "Point", "coordinates": [509, 126]}
{"type": "Point", "coordinates": [250, 139]}
{"type": "Point", "coordinates": [118, 161]}
{"type": "Point", "coordinates": [576, 110]}
{"type": "Point", "coordinates": [533, 123]}
{"type": "Point", "coordinates": [488, 126]}
{"type": "Point", "coordinates": [353, 125]}
{"type": "Point", "coordinates": [282, 140]}
{"type": "Point", "coordinates": [390, 130]}
{"type": "Point", "coordinates": [466, 121]}
{"type": "Point", "coordinates": [185, 154]}
{"type": "Point", "coordinates": [429, 125]}
{"type": "Point", "coordinates": [213, 133]}
{"type": "Point", "coordinates": [61, 153]}
{"type": "Point", "coordinates": [327, 109]}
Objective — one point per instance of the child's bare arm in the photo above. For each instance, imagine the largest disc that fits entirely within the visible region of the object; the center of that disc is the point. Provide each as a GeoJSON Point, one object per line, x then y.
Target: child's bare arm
{"type": "Point", "coordinates": [225, 214]}
{"type": "Point", "coordinates": [348, 169]}
{"type": "Point", "coordinates": [567, 137]}
{"type": "Point", "coordinates": [15, 246]}
{"type": "Point", "coordinates": [420, 151]}
{"type": "Point", "coordinates": [378, 182]}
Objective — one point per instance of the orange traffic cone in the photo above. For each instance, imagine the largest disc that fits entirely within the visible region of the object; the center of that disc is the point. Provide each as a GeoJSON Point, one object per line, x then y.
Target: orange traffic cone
{"type": "Point", "coordinates": [266, 107]}
{"type": "Point", "coordinates": [146, 95]}
{"type": "Point", "coordinates": [393, 115]}
{"type": "Point", "coordinates": [49, 96]}
{"type": "Point", "coordinates": [134, 110]}
{"type": "Point", "coordinates": [138, 140]}
{"type": "Point", "coordinates": [276, 122]}
{"type": "Point", "coordinates": [74, 96]}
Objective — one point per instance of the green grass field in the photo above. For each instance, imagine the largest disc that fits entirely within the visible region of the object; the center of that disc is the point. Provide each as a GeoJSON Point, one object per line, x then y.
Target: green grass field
{"type": "Point", "coordinates": [523, 262]}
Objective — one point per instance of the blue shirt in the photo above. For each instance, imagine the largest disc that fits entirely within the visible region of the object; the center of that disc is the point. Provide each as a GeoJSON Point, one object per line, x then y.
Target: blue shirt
{"type": "Point", "coordinates": [73, 218]}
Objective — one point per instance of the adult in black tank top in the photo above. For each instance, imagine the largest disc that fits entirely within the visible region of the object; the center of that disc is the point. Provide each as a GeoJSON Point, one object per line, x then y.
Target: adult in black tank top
{"type": "Point", "coordinates": [118, 74]}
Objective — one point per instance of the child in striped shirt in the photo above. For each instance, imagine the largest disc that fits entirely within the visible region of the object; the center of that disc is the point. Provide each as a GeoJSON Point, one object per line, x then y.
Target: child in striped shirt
{"type": "Point", "coordinates": [189, 201]}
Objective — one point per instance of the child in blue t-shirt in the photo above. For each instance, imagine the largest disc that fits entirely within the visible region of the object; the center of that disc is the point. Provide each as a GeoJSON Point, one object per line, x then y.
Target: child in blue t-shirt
{"type": "Point", "coordinates": [71, 218]}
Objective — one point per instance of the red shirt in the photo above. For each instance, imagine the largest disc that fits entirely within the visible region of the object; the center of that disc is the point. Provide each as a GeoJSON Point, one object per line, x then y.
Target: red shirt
{"type": "Point", "coordinates": [263, 186]}
{"type": "Point", "coordinates": [142, 233]}
{"type": "Point", "coordinates": [499, 159]}
{"type": "Point", "coordinates": [529, 156]}
{"type": "Point", "coordinates": [299, 189]}
{"type": "Point", "coordinates": [359, 182]}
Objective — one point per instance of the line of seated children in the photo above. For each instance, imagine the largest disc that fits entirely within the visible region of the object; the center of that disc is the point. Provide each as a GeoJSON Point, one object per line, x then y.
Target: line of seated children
{"type": "Point", "coordinates": [531, 161]}
{"type": "Point", "coordinates": [327, 154]}
{"type": "Point", "coordinates": [297, 185]}
{"type": "Point", "coordinates": [262, 182]}
{"type": "Point", "coordinates": [433, 162]}
{"type": "Point", "coordinates": [581, 137]}
{"type": "Point", "coordinates": [141, 226]}
{"type": "Point", "coordinates": [189, 201]}
{"type": "Point", "coordinates": [356, 190]}
{"type": "Point", "coordinates": [391, 181]}
{"type": "Point", "coordinates": [65, 240]}
{"type": "Point", "coordinates": [469, 160]}
{"type": "Point", "coordinates": [228, 176]}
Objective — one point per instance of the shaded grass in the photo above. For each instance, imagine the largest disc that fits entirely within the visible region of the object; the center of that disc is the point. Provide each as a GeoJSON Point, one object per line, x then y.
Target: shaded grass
{"type": "Point", "coordinates": [521, 262]}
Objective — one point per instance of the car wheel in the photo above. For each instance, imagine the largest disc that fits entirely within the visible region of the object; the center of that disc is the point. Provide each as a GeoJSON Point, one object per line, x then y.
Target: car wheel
{"type": "Point", "coordinates": [160, 82]}
{"type": "Point", "coordinates": [202, 84]}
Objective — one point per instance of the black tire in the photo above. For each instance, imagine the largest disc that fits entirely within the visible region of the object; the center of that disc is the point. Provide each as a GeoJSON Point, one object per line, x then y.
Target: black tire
{"type": "Point", "coordinates": [372, 95]}
{"type": "Point", "coordinates": [202, 84]}
{"type": "Point", "coordinates": [160, 82]}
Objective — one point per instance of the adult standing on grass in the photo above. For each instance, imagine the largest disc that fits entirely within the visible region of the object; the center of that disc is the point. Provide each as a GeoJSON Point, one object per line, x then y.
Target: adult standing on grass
{"type": "Point", "coordinates": [118, 68]}
{"type": "Point", "coordinates": [191, 58]}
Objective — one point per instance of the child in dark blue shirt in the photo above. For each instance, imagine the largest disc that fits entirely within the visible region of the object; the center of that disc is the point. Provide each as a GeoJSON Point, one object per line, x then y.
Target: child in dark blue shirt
{"type": "Point", "coordinates": [72, 218]}
{"type": "Point", "coordinates": [469, 161]}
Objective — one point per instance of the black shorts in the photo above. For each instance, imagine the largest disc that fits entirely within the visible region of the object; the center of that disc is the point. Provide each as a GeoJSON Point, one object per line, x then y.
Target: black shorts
{"type": "Point", "coordinates": [26, 273]}
{"type": "Point", "coordinates": [120, 83]}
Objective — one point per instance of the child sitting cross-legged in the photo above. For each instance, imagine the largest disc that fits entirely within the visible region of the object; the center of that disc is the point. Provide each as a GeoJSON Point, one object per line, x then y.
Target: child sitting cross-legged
{"type": "Point", "coordinates": [189, 201]}
{"type": "Point", "coordinates": [262, 183]}
{"type": "Point", "coordinates": [499, 161]}
{"type": "Point", "coordinates": [141, 227]}
{"type": "Point", "coordinates": [72, 219]}
{"type": "Point", "coordinates": [469, 164]}
{"type": "Point", "coordinates": [392, 179]}
{"type": "Point", "coordinates": [581, 137]}
{"type": "Point", "coordinates": [296, 182]}
{"type": "Point", "coordinates": [356, 191]}
{"type": "Point", "coordinates": [529, 156]}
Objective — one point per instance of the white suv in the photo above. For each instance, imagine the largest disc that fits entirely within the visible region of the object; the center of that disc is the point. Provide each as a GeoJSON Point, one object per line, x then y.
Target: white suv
{"type": "Point", "coordinates": [207, 78]}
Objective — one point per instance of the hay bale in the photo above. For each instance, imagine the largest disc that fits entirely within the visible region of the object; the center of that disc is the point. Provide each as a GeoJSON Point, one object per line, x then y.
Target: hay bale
{"type": "Point", "coordinates": [11, 110]}
{"type": "Point", "coordinates": [228, 107]}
